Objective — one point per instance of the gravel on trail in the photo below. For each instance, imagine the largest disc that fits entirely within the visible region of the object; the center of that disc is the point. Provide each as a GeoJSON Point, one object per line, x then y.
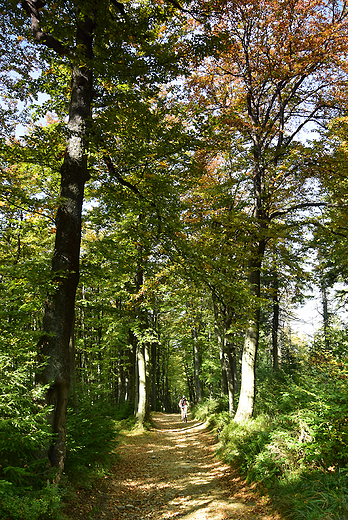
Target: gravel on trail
{"type": "Point", "coordinates": [169, 473]}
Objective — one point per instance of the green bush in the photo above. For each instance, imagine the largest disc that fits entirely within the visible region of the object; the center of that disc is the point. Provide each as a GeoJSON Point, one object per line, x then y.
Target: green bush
{"type": "Point", "coordinates": [92, 437]}
{"type": "Point", "coordinates": [23, 427]}
{"type": "Point", "coordinates": [29, 505]}
{"type": "Point", "coordinates": [210, 407]}
{"type": "Point", "coordinates": [297, 446]}
{"type": "Point", "coordinates": [315, 495]}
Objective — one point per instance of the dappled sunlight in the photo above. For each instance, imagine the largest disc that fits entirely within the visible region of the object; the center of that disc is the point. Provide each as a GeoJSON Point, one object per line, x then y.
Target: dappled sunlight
{"type": "Point", "coordinates": [173, 473]}
{"type": "Point", "coordinates": [169, 473]}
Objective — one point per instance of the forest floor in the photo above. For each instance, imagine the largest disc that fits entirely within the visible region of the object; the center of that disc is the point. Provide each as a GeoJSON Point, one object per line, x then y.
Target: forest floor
{"type": "Point", "coordinates": [168, 473]}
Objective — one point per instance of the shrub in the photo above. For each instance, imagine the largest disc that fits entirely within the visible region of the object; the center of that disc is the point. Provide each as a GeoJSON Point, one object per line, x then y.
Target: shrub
{"type": "Point", "coordinates": [297, 447]}
{"type": "Point", "coordinates": [209, 407]}
{"type": "Point", "coordinates": [29, 505]}
{"type": "Point", "coordinates": [92, 437]}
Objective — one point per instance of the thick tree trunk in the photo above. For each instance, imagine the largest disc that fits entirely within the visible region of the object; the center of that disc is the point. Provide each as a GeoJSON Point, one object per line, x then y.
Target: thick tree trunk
{"type": "Point", "coordinates": [257, 250]}
{"type": "Point", "coordinates": [58, 318]}
{"type": "Point", "coordinates": [247, 390]}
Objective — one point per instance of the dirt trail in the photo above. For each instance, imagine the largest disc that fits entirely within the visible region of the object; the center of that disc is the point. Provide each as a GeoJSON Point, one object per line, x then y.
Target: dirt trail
{"type": "Point", "coordinates": [172, 472]}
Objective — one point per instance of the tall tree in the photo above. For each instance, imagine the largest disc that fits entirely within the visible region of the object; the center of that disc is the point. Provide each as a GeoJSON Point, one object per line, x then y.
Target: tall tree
{"type": "Point", "coordinates": [275, 72]}
{"type": "Point", "coordinates": [58, 318]}
{"type": "Point", "coordinates": [92, 44]}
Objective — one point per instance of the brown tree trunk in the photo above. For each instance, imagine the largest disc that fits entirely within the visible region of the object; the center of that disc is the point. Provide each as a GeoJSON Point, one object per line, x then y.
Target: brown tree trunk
{"type": "Point", "coordinates": [275, 321]}
{"type": "Point", "coordinates": [59, 306]}
{"type": "Point", "coordinates": [220, 340]}
{"type": "Point", "coordinates": [132, 364]}
{"type": "Point", "coordinates": [230, 356]}
{"type": "Point", "coordinates": [154, 361]}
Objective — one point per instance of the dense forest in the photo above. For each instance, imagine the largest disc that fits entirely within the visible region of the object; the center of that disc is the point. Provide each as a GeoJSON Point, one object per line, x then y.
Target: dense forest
{"type": "Point", "coordinates": [174, 187]}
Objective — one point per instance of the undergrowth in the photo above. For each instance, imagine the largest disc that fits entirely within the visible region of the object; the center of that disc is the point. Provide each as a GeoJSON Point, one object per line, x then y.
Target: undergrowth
{"type": "Point", "coordinates": [296, 447]}
{"type": "Point", "coordinates": [91, 441]}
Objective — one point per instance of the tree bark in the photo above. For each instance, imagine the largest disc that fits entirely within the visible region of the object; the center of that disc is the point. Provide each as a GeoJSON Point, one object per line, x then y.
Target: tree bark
{"type": "Point", "coordinates": [230, 356]}
{"type": "Point", "coordinates": [154, 360]}
{"type": "Point", "coordinates": [58, 317]}
{"type": "Point", "coordinates": [257, 250]}
{"type": "Point", "coordinates": [275, 321]}
{"type": "Point", "coordinates": [220, 340]}
{"type": "Point", "coordinates": [142, 387]}
{"type": "Point", "coordinates": [325, 306]}
{"type": "Point", "coordinates": [197, 366]}
{"type": "Point", "coordinates": [143, 357]}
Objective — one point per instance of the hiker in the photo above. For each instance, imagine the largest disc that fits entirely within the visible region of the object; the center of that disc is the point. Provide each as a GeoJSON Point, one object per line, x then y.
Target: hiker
{"type": "Point", "coordinates": [183, 405]}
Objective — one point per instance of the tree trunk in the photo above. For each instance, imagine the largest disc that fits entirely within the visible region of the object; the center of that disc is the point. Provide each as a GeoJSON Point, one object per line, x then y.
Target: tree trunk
{"type": "Point", "coordinates": [220, 340]}
{"type": "Point", "coordinates": [257, 250]}
{"type": "Point", "coordinates": [247, 390]}
{"type": "Point", "coordinates": [325, 307]}
{"type": "Point", "coordinates": [121, 386]}
{"type": "Point", "coordinates": [142, 388]}
{"type": "Point", "coordinates": [227, 358]}
{"type": "Point", "coordinates": [154, 360]}
{"type": "Point", "coordinates": [59, 306]}
{"type": "Point", "coordinates": [148, 380]}
{"type": "Point", "coordinates": [224, 378]}
{"type": "Point", "coordinates": [196, 366]}
{"type": "Point", "coordinates": [143, 358]}
{"type": "Point", "coordinates": [275, 321]}
{"type": "Point", "coordinates": [230, 361]}
{"type": "Point", "coordinates": [131, 395]}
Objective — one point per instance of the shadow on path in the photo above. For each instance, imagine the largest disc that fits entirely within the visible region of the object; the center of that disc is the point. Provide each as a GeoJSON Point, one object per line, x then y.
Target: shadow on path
{"type": "Point", "coordinates": [172, 472]}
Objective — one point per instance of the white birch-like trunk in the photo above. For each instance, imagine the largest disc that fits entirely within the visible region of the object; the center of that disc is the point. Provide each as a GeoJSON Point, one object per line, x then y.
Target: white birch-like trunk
{"type": "Point", "coordinates": [247, 391]}
{"type": "Point", "coordinates": [141, 412]}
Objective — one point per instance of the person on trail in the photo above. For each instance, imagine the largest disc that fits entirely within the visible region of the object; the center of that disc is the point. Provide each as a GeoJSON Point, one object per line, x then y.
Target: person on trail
{"type": "Point", "coordinates": [183, 405]}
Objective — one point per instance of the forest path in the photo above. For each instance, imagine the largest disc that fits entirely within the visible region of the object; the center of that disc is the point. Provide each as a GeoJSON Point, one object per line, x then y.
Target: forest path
{"type": "Point", "coordinates": [172, 472]}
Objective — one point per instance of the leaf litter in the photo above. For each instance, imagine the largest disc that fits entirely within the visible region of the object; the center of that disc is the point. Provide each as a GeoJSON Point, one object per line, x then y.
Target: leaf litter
{"type": "Point", "coordinates": [169, 473]}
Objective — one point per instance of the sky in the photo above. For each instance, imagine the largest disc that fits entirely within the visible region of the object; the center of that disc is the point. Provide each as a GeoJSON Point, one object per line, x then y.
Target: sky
{"type": "Point", "coordinates": [308, 318]}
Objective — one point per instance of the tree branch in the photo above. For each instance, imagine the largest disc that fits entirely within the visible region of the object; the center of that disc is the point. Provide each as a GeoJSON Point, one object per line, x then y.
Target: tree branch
{"type": "Point", "coordinates": [304, 205]}
{"type": "Point", "coordinates": [32, 7]}
{"type": "Point", "coordinates": [328, 229]}
{"type": "Point", "coordinates": [120, 7]}
{"type": "Point", "coordinates": [121, 180]}
{"type": "Point", "coordinates": [178, 6]}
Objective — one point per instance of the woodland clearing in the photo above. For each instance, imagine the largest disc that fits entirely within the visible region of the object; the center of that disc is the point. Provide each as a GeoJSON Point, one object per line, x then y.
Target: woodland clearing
{"type": "Point", "coordinates": [171, 472]}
